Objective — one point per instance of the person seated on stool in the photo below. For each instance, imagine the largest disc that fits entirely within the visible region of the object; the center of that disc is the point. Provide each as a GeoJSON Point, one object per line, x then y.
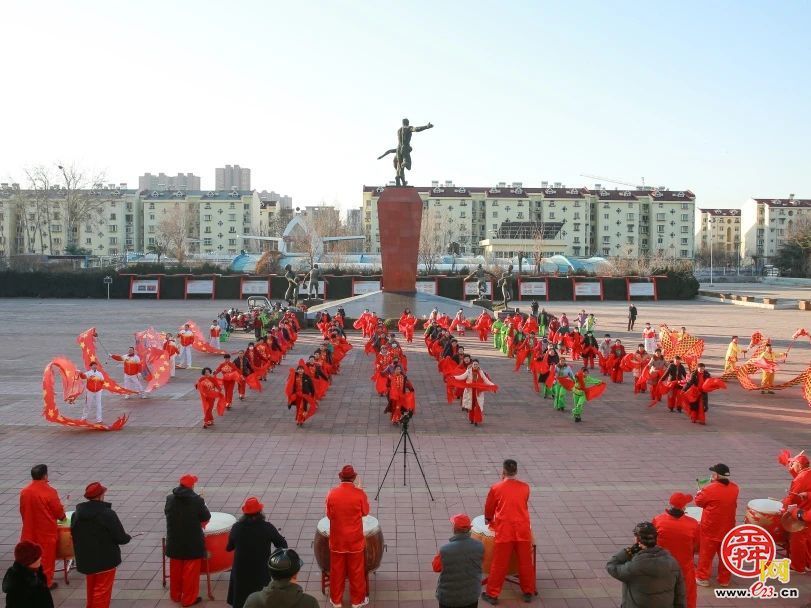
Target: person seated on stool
{"type": "Point", "coordinates": [347, 505]}
{"type": "Point", "coordinates": [507, 512]}
{"type": "Point", "coordinates": [284, 565]}
{"type": "Point", "coordinates": [459, 564]}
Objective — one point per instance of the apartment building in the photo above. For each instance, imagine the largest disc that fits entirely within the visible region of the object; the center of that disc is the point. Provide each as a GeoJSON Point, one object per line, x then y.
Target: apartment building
{"type": "Point", "coordinates": [232, 178]}
{"type": "Point", "coordinates": [161, 181]}
{"type": "Point", "coordinates": [592, 222]}
{"type": "Point", "coordinates": [766, 223]}
{"type": "Point", "coordinates": [719, 230]}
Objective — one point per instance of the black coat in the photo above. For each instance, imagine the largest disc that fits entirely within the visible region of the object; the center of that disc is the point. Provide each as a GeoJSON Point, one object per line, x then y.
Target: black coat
{"type": "Point", "coordinates": [185, 513]}
{"type": "Point", "coordinates": [26, 588]}
{"type": "Point", "coordinates": [97, 533]}
{"type": "Point", "coordinates": [251, 539]}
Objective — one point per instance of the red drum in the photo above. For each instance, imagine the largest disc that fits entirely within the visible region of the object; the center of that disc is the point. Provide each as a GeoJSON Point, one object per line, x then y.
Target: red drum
{"type": "Point", "coordinates": [765, 512]}
{"type": "Point", "coordinates": [695, 513]}
{"type": "Point", "coordinates": [482, 532]}
{"type": "Point", "coordinates": [374, 543]}
{"type": "Point", "coordinates": [217, 531]}
{"type": "Point", "coordinates": [64, 542]}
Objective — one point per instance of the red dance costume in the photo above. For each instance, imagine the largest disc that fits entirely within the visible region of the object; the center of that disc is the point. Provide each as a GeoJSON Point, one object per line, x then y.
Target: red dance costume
{"type": "Point", "coordinates": [680, 535]}
{"type": "Point", "coordinates": [41, 508]}
{"type": "Point", "coordinates": [230, 376]}
{"type": "Point", "coordinates": [720, 503]}
{"type": "Point", "coordinates": [800, 542]}
{"type": "Point", "coordinates": [346, 507]}
{"type": "Point", "coordinates": [209, 396]}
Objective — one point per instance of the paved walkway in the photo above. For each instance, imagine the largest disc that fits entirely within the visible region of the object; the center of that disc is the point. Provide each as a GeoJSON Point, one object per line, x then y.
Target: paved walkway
{"type": "Point", "coordinates": [591, 482]}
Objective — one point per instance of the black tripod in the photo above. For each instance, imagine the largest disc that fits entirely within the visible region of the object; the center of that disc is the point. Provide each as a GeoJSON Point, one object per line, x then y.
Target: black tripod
{"type": "Point", "coordinates": [405, 439]}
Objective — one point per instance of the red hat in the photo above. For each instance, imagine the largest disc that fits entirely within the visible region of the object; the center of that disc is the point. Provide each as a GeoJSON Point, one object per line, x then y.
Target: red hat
{"type": "Point", "coordinates": [461, 521]}
{"type": "Point", "coordinates": [679, 500]}
{"type": "Point", "coordinates": [188, 480]}
{"type": "Point", "coordinates": [801, 458]}
{"type": "Point", "coordinates": [26, 552]}
{"type": "Point", "coordinates": [252, 506]}
{"type": "Point", "coordinates": [347, 473]}
{"type": "Point", "coordinates": [94, 490]}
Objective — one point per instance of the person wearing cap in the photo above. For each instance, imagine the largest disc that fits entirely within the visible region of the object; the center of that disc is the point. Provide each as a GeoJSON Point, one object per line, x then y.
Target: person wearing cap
{"type": "Point", "coordinates": [346, 506]}
{"type": "Point", "coordinates": [459, 563]}
{"type": "Point", "coordinates": [678, 533]}
{"type": "Point", "coordinates": [24, 583]}
{"type": "Point", "coordinates": [250, 539]}
{"type": "Point", "coordinates": [719, 499]}
{"type": "Point", "coordinates": [186, 512]}
{"type": "Point", "coordinates": [41, 508]}
{"type": "Point", "coordinates": [651, 577]}
{"type": "Point", "coordinates": [282, 592]}
{"type": "Point", "coordinates": [799, 495]}
{"type": "Point", "coordinates": [97, 535]}
{"type": "Point", "coordinates": [507, 512]}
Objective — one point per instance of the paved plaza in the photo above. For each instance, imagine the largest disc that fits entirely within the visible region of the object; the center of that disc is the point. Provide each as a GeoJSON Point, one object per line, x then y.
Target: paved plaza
{"type": "Point", "coordinates": [591, 482]}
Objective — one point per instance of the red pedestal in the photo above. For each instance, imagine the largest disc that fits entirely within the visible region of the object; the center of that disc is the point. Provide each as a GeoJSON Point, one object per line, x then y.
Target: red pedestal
{"type": "Point", "coordinates": [399, 215]}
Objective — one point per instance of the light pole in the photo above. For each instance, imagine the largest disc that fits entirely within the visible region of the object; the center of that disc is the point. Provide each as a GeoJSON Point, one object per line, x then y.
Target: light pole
{"type": "Point", "coordinates": [712, 236]}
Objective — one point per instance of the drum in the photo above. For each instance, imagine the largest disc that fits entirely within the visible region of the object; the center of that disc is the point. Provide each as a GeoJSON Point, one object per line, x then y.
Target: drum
{"type": "Point", "coordinates": [482, 532]}
{"type": "Point", "coordinates": [64, 542]}
{"type": "Point", "coordinates": [217, 531]}
{"type": "Point", "coordinates": [374, 543]}
{"type": "Point", "coordinates": [765, 512]}
{"type": "Point", "coordinates": [695, 513]}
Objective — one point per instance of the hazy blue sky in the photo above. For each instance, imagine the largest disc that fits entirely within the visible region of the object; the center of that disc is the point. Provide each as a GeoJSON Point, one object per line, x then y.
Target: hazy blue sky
{"type": "Point", "coordinates": [712, 96]}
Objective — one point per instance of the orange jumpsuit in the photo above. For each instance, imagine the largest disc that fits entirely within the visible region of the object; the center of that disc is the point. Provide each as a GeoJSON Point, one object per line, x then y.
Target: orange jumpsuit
{"type": "Point", "coordinates": [41, 508]}
{"type": "Point", "coordinates": [507, 511]}
{"type": "Point", "coordinates": [800, 542]}
{"type": "Point", "coordinates": [346, 507]}
{"type": "Point", "coordinates": [720, 504]}
{"type": "Point", "coordinates": [679, 535]}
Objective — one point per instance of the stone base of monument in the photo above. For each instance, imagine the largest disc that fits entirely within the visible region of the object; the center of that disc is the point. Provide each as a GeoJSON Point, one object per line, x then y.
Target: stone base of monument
{"type": "Point", "coordinates": [389, 305]}
{"type": "Point", "coordinates": [488, 304]}
{"type": "Point", "coordinates": [310, 302]}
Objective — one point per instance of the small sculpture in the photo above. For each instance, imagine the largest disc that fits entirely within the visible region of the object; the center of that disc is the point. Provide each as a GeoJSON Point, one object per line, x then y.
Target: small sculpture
{"type": "Point", "coordinates": [402, 153]}
{"type": "Point", "coordinates": [313, 278]}
{"type": "Point", "coordinates": [505, 282]}
{"type": "Point", "coordinates": [291, 295]}
{"type": "Point", "coordinates": [480, 274]}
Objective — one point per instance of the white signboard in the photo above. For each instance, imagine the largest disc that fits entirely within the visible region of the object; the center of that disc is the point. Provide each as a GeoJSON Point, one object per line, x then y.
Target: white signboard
{"type": "Point", "coordinates": [640, 289]}
{"type": "Point", "coordinates": [200, 286]}
{"type": "Point", "coordinates": [145, 286]}
{"type": "Point", "coordinates": [588, 289]}
{"type": "Point", "coordinates": [256, 288]}
{"type": "Point", "coordinates": [428, 287]}
{"type": "Point", "coordinates": [361, 287]}
{"type": "Point", "coordinates": [533, 288]}
{"type": "Point", "coordinates": [472, 288]}
{"type": "Point", "coordinates": [304, 289]}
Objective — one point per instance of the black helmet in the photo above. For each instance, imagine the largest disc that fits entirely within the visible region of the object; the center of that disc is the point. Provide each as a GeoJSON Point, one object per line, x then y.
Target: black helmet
{"type": "Point", "coordinates": [284, 564]}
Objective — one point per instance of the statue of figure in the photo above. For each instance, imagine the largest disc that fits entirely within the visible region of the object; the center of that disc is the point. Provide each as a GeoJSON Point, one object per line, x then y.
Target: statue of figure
{"type": "Point", "coordinates": [505, 282]}
{"type": "Point", "coordinates": [313, 277]}
{"type": "Point", "coordinates": [480, 274]}
{"type": "Point", "coordinates": [291, 295]}
{"type": "Point", "coordinates": [402, 153]}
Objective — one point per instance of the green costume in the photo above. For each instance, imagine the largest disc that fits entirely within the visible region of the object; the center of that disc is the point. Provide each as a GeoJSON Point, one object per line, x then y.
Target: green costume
{"type": "Point", "coordinates": [497, 337]}
{"type": "Point", "coordinates": [265, 320]}
{"type": "Point", "coordinates": [580, 396]}
{"type": "Point", "coordinates": [560, 396]}
{"type": "Point", "coordinates": [505, 329]}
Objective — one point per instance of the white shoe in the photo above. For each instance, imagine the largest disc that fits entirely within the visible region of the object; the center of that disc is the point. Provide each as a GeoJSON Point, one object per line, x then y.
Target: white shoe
{"type": "Point", "coordinates": [365, 602]}
{"type": "Point", "coordinates": [99, 421]}
{"type": "Point", "coordinates": [126, 396]}
{"type": "Point", "coordinates": [702, 583]}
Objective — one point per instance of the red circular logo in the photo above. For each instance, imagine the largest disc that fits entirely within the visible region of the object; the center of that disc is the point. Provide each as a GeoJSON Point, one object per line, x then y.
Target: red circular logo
{"type": "Point", "coordinates": [745, 547]}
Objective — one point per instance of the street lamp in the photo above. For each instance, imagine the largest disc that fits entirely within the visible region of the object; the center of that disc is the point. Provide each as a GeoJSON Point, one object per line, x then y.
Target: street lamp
{"type": "Point", "coordinates": [712, 226]}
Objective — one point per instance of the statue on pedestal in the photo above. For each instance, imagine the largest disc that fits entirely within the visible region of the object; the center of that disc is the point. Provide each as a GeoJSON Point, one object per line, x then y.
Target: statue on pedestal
{"type": "Point", "coordinates": [291, 295]}
{"type": "Point", "coordinates": [505, 283]}
{"type": "Point", "coordinates": [402, 153]}
{"type": "Point", "coordinates": [313, 278]}
{"type": "Point", "coordinates": [480, 274]}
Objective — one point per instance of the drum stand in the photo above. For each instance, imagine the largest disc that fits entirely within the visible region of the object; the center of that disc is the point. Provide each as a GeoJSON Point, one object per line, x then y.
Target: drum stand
{"type": "Point", "coordinates": [405, 439]}
{"type": "Point", "coordinates": [165, 575]}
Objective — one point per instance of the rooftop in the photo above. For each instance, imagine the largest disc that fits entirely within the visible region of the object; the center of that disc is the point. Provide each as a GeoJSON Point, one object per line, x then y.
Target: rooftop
{"type": "Point", "coordinates": [557, 192]}
{"type": "Point", "coordinates": [722, 212]}
{"type": "Point", "coordinates": [784, 202]}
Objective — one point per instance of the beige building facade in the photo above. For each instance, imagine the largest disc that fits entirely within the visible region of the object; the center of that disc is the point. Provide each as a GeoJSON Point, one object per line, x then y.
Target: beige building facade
{"type": "Point", "coordinates": [718, 230]}
{"type": "Point", "coordinates": [766, 223]}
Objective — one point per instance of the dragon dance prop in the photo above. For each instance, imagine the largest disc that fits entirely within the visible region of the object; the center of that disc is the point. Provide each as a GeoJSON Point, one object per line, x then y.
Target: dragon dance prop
{"type": "Point", "coordinates": [686, 346]}
{"type": "Point", "coordinates": [200, 343]}
{"type": "Point", "coordinates": [755, 364]}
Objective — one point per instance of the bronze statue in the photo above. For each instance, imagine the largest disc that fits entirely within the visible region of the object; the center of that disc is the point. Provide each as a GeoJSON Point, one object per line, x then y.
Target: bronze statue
{"type": "Point", "coordinates": [480, 274]}
{"type": "Point", "coordinates": [402, 153]}
{"type": "Point", "coordinates": [291, 295]}
{"type": "Point", "coordinates": [505, 282]}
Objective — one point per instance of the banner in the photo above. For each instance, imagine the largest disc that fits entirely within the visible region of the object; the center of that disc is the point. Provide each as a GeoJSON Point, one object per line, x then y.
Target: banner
{"type": "Point", "coordinates": [428, 287]}
{"type": "Point", "coordinates": [532, 288]}
{"type": "Point", "coordinates": [640, 289]}
{"type": "Point", "coordinates": [591, 288]}
{"type": "Point", "coordinates": [145, 286]}
{"type": "Point", "coordinates": [255, 288]}
{"type": "Point", "coordinates": [472, 288]}
{"type": "Point", "coordinates": [200, 286]}
{"type": "Point", "coordinates": [361, 287]}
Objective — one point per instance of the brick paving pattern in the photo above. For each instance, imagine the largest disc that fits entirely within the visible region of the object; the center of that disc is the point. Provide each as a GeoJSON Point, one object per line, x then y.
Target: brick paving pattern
{"type": "Point", "coordinates": [591, 482]}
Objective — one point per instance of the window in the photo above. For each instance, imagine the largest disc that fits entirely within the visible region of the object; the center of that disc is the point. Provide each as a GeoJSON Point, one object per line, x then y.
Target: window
{"type": "Point", "coordinates": [56, 228]}
{"type": "Point", "coordinates": [630, 227]}
{"type": "Point", "coordinates": [151, 205]}
{"type": "Point", "coordinates": [551, 203]}
{"type": "Point", "coordinates": [630, 240]}
{"type": "Point", "coordinates": [207, 230]}
{"type": "Point", "coordinates": [684, 241]}
{"type": "Point", "coordinates": [577, 226]}
{"type": "Point", "coordinates": [88, 241]}
{"type": "Point", "coordinates": [659, 241]}
{"type": "Point", "coordinates": [577, 203]}
{"type": "Point", "coordinates": [683, 253]}
{"type": "Point", "coordinates": [207, 218]}
{"type": "Point", "coordinates": [113, 240]}
{"type": "Point", "coordinates": [684, 217]}
{"type": "Point", "coordinates": [232, 241]}
{"type": "Point", "coordinates": [577, 239]}
{"type": "Point", "coordinates": [151, 229]}
{"type": "Point", "coordinates": [151, 240]}
{"type": "Point", "coordinates": [232, 217]}
{"type": "Point", "coordinates": [685, 229]}
{"type": "Point", "coordinates": [630, 217]}
{"type": "Point", "coordinates": [660, 229]}
{"type": "Point", "coordinates": [552, 215]}
{"type": "Point", "coordinates": [644, 241]}
{"type": "Point", "coordinates": [233, 230]}
{"type": "Point", "coordinates": [152, 216]}
{"type": "Point", "coordinates": [606, 239]}
{"type": "Point", "coordinates": [495, 213]}
{"type": "Point", "coordinates": [685, 205]}
{"type": "Point", "coordinates": [576, 250]}
{"type": "Point", "coordinates": [246, 206]}
{"type": "Point", "coordinates": [660, 217]}
{"type": "Point", "coordinates": [112, 217]}
{"type": "Point", "coordinates": [207, 242]}
{"type": "Point", "coordinates": [605, 216]}
{"type": "Point", "coordinates": [577, 215]}
{"type": "Point", "coordinates": [606, 251]}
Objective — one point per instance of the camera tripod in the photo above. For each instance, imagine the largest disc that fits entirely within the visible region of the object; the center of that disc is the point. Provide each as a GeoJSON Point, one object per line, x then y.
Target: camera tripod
{"type": "Point", "coordinates": [405, 439]}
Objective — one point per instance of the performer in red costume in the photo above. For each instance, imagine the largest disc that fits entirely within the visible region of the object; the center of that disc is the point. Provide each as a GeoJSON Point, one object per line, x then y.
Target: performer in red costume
{"type": "Point", "coordinates": [243, 365]}
{"type": "Point", "coordinates": [214, 335]}
{"type": "Point", "coordinates": [132, 372]}
{"type": "Point", "coordinates": [507, 512]}
{"type": "Point", "coordinates": [397, 388]}
{"type": "Point", "coordinates": [94, 382]}
{"type": "Point", "coordinates": [459, 323]}
{"type": "Point", "coordinates": [719, 499]}
{"type": "Point", "coordinates": [230, 376]}
{"type": "Point", "coordinates": [674, 378]}
{"type": "Point", "coordinates": [301, 393]}
{"type": "Point", "coordinates": [799, 495]}
{"type": "Point", "coordinates": [209, 394]}
{"type": "Point", "coordinates": [679, 534]}
{"type": "Point", "coordinates": [40, 509]}
{"type": "Point", "coordinates": [186, 336]}
{"type": "Point", "coordinates": [475, 382]}
{"type": "Point", "coordinates": [590, 350]}
{"type": "Point", "coordinates": [615, 361]}
{"type": "Point", "coordinates": [639, 359]}
{"type": "Point", "coordinates": [695, 396]}
{"type": "Point", "coordinates": [170, 348]}
{"type": "Point", "coordinates": [406, 325]}
{"type": "Point", "coordinates": [347, 505]}
{"type": "Point", "coordinates": [483, 325]}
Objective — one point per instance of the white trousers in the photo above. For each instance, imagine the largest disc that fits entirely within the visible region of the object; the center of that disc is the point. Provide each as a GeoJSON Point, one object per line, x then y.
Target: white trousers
{"type": "Point", "coordinates": [93, 400]}
{"type": "Point", "coordinates": [172, 366]}
{"type": "Point", "coordinates": [185, 356]}
{"type": "Point", "coordinates": [214, 342]}
{"type": "Point", "coordinates": [650, 345]}
{"type": "Point", "coordinates": [133, 383]}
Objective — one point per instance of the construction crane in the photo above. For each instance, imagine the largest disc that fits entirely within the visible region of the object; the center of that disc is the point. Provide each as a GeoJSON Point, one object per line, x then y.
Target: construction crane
{"type": "Point", "coordinates": [614, 181]}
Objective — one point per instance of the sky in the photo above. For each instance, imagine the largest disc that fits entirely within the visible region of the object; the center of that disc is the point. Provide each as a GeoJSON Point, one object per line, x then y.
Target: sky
{"type": "Point", "coordinates": [708, 96]}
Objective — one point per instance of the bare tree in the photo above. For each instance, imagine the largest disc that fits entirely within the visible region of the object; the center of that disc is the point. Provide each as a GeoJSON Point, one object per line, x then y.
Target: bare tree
{"type": "Point", "coordinates": [432, 239]}
{"type": "Point", "coordinates": [175, 231]}
{"type": "Point", "coordinates": [82, 205]}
